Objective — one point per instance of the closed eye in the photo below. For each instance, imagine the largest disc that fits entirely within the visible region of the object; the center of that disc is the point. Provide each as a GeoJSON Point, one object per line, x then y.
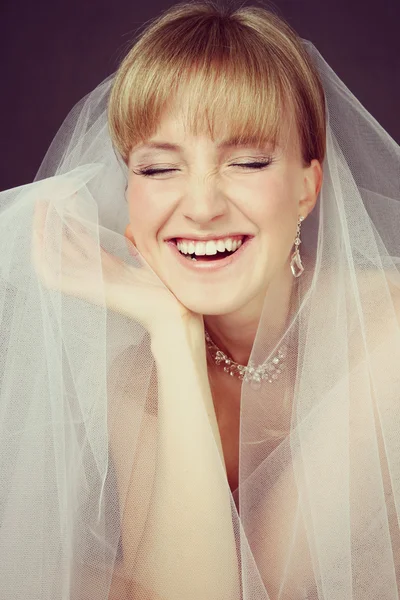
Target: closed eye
{"type": "Point", "coordinates": [254, 165]}
{"type": "Point", "coordinates": [251, 165]}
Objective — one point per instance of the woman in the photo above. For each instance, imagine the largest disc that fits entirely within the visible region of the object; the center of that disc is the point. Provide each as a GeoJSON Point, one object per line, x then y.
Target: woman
{"type": "Point", "coordinates": [205, 407]}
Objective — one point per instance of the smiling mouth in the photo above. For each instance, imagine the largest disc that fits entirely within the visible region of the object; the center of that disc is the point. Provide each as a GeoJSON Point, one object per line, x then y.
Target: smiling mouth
{"type": "Point", "coordinates": [208, 257]}
{"type": "Point", "coordinates": [219, 255]}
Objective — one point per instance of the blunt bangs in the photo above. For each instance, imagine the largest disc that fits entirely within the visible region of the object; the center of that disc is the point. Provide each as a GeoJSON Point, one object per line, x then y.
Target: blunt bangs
{"type": "Point", "coordinates": [233, 76]}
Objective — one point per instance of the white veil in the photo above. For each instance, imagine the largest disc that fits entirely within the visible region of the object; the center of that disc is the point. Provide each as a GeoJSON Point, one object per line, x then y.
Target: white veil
{"type": "Point", "coordinates": [89, 454]}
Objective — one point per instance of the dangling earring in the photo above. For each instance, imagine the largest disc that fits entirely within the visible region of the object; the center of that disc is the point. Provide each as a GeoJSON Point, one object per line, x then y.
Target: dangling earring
{"type": "Point", "coordinates": [295, 264]}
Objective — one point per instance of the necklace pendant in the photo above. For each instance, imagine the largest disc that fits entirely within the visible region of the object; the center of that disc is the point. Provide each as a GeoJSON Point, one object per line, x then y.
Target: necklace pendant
{"type": "Point", "coordinates": [254, 376]}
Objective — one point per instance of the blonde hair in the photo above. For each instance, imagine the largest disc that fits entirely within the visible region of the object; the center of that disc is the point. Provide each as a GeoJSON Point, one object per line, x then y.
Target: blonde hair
{"type": "Point", "coordinates": [241, 68]}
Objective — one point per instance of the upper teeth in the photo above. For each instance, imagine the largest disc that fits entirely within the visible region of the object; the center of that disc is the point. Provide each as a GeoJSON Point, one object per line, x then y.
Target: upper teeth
{"type": "Point", "coordinates": [209, 247]}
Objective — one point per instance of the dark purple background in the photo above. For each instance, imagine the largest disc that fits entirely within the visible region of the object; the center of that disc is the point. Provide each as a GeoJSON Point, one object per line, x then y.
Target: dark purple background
{"type": "Point", "coordinates": [53, 53]}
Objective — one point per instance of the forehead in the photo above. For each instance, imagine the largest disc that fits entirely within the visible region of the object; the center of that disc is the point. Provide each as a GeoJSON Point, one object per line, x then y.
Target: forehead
{"type": "Point", "coordinates": [174, 131]}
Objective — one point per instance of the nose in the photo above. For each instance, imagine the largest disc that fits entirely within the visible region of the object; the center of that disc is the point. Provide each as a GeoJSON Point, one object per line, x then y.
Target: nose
{"type": "Point", "coordinates": [203, 200]}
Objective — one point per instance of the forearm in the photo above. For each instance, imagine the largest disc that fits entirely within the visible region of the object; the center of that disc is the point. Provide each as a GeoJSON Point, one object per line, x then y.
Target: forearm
{"type": "Point", "coordinates": [188, 539]}
{"type": "Point", "coordinates": [180, 358]}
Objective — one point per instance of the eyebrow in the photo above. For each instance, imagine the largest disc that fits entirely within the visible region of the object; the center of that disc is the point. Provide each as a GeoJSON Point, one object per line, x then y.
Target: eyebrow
{"type": "Point", "coordinates": [234, 142]}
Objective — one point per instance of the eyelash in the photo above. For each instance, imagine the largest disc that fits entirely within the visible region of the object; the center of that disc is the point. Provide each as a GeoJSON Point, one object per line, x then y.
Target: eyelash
{"type": "Point", "coordinates": [252, 165]}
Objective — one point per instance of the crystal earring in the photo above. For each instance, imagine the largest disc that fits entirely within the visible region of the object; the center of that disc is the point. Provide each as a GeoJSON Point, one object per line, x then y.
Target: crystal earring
{"type": "Point", "coordinates": [295, 264]}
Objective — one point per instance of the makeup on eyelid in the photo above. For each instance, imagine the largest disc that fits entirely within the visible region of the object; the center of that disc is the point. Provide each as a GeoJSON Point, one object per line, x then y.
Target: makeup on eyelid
{"type": "Point", "coordinates": [151, 171]}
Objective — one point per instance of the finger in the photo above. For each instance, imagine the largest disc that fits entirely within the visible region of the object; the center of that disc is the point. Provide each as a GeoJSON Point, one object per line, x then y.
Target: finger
{"type": "Point", "coordinates": [40, 215]}
{"type": "Point", "coordinates": [39, 219]}
{"type": "Point", "coordinates": [36, 250]}
{"type": "Point", "coordinates": [77, 240]}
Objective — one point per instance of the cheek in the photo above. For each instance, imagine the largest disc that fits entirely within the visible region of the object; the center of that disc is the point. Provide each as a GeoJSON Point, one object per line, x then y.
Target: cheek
{"type": "Point", "coordinates": [274, 211]}
{"type": "Point", "coordinates": [144, 213]}
{"type": "Point", "coordinates": [271, 203]}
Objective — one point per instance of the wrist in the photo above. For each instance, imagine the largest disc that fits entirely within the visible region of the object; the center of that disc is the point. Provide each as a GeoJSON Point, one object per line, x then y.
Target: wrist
{"type": "Point", "coordinates": [179, 340]}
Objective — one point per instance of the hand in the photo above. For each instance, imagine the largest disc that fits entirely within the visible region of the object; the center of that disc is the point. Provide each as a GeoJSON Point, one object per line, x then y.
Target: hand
{"type": "Point", "coordinates": [135, 292]}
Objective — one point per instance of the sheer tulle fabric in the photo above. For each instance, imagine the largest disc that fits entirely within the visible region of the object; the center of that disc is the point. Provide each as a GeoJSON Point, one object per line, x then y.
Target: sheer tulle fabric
{"type": "Point", "coordinates": [107, 492]}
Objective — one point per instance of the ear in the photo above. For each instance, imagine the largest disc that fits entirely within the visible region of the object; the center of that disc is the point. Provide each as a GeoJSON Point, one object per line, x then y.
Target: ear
{"type": "Point", "coordinates": [312, 183]}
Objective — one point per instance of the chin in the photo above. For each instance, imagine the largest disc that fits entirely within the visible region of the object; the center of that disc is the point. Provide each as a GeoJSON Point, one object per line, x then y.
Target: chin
{"type": "Point", "coordinates": [212, 306]}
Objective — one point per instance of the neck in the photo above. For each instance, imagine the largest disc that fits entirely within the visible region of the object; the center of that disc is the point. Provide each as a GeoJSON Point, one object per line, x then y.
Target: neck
{"type": "Point", "coordinates": [234, 333]}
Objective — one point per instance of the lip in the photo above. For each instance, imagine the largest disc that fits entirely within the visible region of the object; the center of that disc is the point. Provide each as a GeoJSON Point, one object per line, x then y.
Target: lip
{"type": "Point", "coordinates": [210, 266]}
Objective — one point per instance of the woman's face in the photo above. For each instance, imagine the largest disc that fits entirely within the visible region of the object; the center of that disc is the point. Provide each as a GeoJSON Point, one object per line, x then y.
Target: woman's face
{"type": "Point", "coordinates": [188, 187]}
